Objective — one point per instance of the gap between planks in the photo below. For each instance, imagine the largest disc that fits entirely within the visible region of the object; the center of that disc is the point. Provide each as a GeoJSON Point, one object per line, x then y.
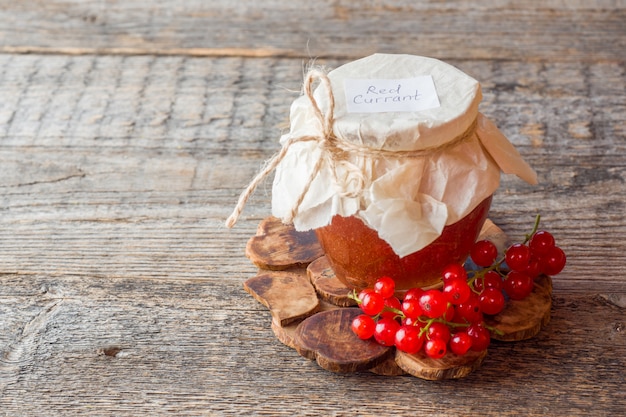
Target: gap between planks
{"type": "Point", "coordinates": [253, 53]}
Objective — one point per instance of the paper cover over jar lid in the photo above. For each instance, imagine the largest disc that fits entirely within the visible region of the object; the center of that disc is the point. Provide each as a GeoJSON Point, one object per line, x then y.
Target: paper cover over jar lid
{"type": "Point", "coordinates": [457, 93]}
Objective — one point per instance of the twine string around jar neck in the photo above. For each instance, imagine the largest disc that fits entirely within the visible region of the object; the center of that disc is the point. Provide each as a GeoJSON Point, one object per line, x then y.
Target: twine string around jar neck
{"type": "Point", "coordinates": [334, 153]}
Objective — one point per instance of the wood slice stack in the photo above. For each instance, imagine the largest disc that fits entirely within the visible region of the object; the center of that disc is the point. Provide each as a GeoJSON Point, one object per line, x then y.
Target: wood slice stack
{"type": "Point", "coordinates": [312, 313]}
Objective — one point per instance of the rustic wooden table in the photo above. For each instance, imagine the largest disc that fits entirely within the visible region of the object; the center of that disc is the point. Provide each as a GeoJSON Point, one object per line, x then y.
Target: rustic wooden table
{"type": "Point", "coordinates": [128, 130]}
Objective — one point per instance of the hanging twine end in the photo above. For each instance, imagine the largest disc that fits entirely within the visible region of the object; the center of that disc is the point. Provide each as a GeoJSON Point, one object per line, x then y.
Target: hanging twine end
{"type": "Point", "coordinates": [230, 221]}
{"type": "Point", "coordinates": [326, 122]}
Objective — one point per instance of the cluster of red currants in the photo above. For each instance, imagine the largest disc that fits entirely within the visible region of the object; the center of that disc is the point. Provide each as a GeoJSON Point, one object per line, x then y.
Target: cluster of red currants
{"type": "Point", "coordinates": [451, 318]}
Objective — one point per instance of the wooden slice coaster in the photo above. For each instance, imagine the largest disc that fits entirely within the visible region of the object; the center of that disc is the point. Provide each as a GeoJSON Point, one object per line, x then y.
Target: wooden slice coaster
{"type": "Point", "coordinates": [326, 283]}
{"type": "Point", "coordinates": [277, 246]}
{"type": "Point", "coordinates": [288, 295]}
{"type": "Point", "coordinates": [523, 319]}
{"type": "Point", "coordinates": [451, 366]}
{"type": "Point", "coordinates": [326, 337]}
{"type": "Point", "coordinates": [311, 311]}
{"type": "Point", "coordinates": [286, 334]}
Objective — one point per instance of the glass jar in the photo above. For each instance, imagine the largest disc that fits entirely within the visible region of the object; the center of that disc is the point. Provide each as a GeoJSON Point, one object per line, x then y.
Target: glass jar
{"type": "Point", "coordinates": [358, 256]}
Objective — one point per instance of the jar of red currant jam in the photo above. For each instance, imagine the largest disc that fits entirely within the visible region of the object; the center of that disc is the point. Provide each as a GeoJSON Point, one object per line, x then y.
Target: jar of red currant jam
{"type": "Point", "coordinates": [390, 161]}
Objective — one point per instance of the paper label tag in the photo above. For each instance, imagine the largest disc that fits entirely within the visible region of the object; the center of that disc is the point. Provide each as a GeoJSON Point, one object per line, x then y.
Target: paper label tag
{"type": "Point", "coordinates": [380, 95]}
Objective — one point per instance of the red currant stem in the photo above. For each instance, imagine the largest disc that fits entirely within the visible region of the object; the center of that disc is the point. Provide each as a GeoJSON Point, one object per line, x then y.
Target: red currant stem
{"type": "Point", "coordinates": [354, 296]}
{"type": "Point", "coordinates": [424, 329]}
{"type": "Point", "coordinates": [535, 228]}
{"type": "Point", "coordinates": [493, 329]}
{"type": "Point", "coordinates": [470, 282]}
{"type": "Point", "coordinates": [482, 272]}
{"type": "Point", "coordinates": [399, 313]}
{"type": "Point", "coordinates": [429, 322]}
{"type": "Point", "coordinates": [394, 310]}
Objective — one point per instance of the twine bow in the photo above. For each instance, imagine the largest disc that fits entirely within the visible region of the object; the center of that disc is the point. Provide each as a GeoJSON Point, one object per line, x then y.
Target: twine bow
{"type": "Point", "coordinates": [352, 182]}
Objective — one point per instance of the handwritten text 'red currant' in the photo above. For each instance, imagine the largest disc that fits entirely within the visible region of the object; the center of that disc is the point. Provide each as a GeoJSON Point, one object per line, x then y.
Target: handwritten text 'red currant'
{"type": "Point", "coordinates": [375, 95]}
{"type": "Point", "coordinates": [399, 95]}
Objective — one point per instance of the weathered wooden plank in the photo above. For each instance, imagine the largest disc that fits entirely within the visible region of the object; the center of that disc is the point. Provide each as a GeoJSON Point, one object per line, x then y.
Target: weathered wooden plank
{"type": "Point", "coordinates": [501, 29]}
{"type": "Point", "coordinates": [76, 345]}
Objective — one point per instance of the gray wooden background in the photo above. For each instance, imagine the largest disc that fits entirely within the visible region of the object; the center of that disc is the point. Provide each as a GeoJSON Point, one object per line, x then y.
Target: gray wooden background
{"type": "Point", "coordinates": [128, 129]}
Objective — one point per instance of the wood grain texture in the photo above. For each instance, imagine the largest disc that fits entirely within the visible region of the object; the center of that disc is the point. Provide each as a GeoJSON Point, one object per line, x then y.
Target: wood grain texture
{"type": "Point", "coordinates": [277, 246]}
{"type": "Point", "coordinates": [500, 29]}
{"type": "Point", "coordinates": [450, 366]}
{"type": "Point", "coordinates": [128, 132]}
{"type": "Point", "coordinates": [326, 337]}
{"type": "Point", "coordinates": [198, 347]}
{"type": "Point", "coordinates": [289, 296]}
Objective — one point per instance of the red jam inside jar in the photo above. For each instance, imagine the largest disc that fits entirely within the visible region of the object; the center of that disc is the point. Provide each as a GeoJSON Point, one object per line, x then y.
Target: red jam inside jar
{"type": "Point", "coordinates": [358, 256]}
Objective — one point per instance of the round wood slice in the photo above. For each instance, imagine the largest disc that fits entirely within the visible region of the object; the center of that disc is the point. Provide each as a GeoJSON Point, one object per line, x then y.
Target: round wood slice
{"type": "Point", "coordinates": [286, 334]}
{"type": "Point", "coordinates": [327, 338]}
{"type": "Point", "coordinates": [288, 295]}
{"type": "Point", "coordinates": [451, 366]}
{"type": "Point", "coordinates": [326, 283]}
{"type": "Point", "coordinates": [523, 319]}
{"type": "Point", "coordinates": [277, 246]}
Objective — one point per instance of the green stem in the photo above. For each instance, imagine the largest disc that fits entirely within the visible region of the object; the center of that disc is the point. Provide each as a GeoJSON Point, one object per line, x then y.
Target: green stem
{"type": "Point", "coordinates": [535, 228]}
{"type": "Point", "coordinates": [493, 329]}
{"type": "Point", "coordinates": [354, 296]}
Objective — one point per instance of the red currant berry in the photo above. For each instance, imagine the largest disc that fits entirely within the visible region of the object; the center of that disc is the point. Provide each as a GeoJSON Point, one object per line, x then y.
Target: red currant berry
{"type": "Point", "coordinates": [460, 343]}
{"type": "Point", "coordinates": [413, 293]}
{"type": "Point", "coordinates": [469, 312]}
{"type": "Point", "coordinates": [385, 286]}
{"type": "Point", "coordinates": [541, 242]}
{"type": "Point", "coordinates": [363, 326]}
{"type": "Point", "coordinates": [393, 302]}
{"type": "Point", "coordinates": [517, 257]}
{"type": "Point", "coordinates": [491, 301]}
{"type": "Point", "coordinates": [456, 291]}
{"type": "Point", "coordinates": [363, 292]}
{"type": "Point", "coordinates": [438, 330]}
{"type": "Point", "coordinates": [392, 308]}
{"type": "Point", "coordinates": [372, 303]}
{"type": "Point", "coordinates": [518, 285]}
{"type": "Point", "coordinates": [554, 261]}
{"type": "Point", "coordinates": [435, 348]}
{"type": "Point", "coordinates": [409, 321]}
{"type": "Point", "coordinates": [492, 280]}
{"type": "Point", "coordinates": [385, 331]}
{"type": "Point", "coordinates": [408, 339]}
{"type": "Point", "coordinates": [433, 303]}
{"type": "Point", "coordinates": [535, 266]}
{"type": "Point", "coordinates": [411, 308]}
{"type": "Point", "coordinates": [481, 338]}
{"type": "Point", "coordinates": [454, 271]}
{"type": "Point", "coordinates": [484, 253]}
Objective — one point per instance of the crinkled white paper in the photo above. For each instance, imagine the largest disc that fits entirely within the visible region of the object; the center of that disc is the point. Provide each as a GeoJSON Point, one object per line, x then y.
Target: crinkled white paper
{"type": "Point", "coordinates": [407, 201]}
